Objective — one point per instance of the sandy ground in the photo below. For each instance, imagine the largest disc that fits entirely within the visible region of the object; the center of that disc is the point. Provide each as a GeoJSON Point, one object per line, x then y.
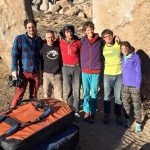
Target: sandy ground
{"type": "Point", "coordinates": [96, 136]}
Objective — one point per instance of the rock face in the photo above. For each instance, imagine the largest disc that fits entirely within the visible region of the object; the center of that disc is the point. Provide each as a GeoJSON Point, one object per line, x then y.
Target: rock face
{"type": "Point", "coordinates": [128, 19]}
{"type": "Point", "coordinates": [11, 23]}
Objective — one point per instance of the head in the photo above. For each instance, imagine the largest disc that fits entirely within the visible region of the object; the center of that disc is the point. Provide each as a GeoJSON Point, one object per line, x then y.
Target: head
{"type": "Point", "coordinates": [30, 26]}
{"type": "Point", "coordinates": [88, 29]}
{"type": "Point", "coordinates": [67, 32]}
{"type": "Point", "coordinates": [107, 36]}
{"type": "Point", "coordinates": [126, 48]}
{"type": "Point", "coordinates": [50, 37]}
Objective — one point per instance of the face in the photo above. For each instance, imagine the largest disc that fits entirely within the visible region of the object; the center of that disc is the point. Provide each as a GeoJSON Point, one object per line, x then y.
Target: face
{"type": "Point", "coordinates": [50, 38]}
{"type": "Point", "coordinates": [124, 50]}
{"type": "Point", "coordinates": [68, 34]}
{"type": "Point", "coordinates": [108, 38]}
{"type": "Point", "coordinates": [89, 32]}
{"type": "Point", "coordinates": [31, 29]}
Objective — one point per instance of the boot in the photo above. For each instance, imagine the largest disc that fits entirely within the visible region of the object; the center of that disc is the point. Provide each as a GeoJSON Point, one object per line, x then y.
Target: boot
{"type": "Point", "coordinates": [118, 109]}
{"type": "Point", "coordinates": [106, 119]}
{"type": "Point", "coordinates": [138, 127]}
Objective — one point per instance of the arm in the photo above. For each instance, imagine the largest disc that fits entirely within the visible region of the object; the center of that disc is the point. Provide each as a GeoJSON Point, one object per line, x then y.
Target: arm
{"type": "Point", "coordinates": [15, 57]}
{"type": "Point", "coordinates": [138, 72]}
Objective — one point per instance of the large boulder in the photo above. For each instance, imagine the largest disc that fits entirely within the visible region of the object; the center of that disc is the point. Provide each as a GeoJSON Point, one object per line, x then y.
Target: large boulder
{"type": "Point", "coordinates": [12, 17]}
{"type": "Point", "coordinates": [128, 19]}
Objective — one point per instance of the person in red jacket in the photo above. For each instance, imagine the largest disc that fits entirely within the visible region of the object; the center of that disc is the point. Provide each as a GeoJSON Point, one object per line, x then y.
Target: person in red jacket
{"type": "Point", "coordinates": [70, 49]}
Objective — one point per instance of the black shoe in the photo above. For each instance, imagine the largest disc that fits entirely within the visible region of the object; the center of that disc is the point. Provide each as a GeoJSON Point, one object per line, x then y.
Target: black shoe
{"type": "Point", "coordinates": [92, 119]}
{"type": "Point", "coordinates": [106, 119]}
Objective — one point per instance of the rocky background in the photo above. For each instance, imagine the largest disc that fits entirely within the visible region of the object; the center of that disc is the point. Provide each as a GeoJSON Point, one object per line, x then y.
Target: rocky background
{"type": "Point", "coordinates": [53, 15]}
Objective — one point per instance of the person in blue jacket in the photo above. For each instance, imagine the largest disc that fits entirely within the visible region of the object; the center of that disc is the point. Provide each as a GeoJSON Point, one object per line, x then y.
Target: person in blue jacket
{"type": "Point", "coordinates": [131, 83]}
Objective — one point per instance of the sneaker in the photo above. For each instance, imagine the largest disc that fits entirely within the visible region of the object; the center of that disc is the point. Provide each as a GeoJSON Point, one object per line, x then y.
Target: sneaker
{"type": "Point", "coordinates": [77, 115]}
{"type": "Point", "coordinates": [87, 116]}
{"type": "Point", "coordinates": [138, 128]}
{"type": "Point", "coordinates": [119, 120]}
{"type": "Point", "coordinates": [127, 123]}
{"type": "Point", "coordinates": [106, 119]}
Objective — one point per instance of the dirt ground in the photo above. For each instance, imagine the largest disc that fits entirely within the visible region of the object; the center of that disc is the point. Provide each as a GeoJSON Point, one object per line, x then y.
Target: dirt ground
{"type": "Point", "coordinates": [96, 136]}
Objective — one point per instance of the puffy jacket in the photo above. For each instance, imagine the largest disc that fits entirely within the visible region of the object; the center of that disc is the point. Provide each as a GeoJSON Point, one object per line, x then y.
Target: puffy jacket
{"type": "Point", "coordinates": [90, 54]}
{"type": "Point", "coordinates": [70, 51]}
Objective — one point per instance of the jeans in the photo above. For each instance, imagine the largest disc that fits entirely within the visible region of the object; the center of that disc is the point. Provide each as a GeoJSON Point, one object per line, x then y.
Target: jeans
{"type": "Point", "coordinates": [52, 85]}
{"type": "Point", "coordinates": [90, 84]}
{"type": "Point", "coordinates": [112, 82]}
{"type": "Point", "coordinates": [71, 85]}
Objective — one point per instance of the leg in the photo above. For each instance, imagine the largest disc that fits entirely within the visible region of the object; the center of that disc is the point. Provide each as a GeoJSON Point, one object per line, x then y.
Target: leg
{"type": "Point", "coordinates": [125, 99]}
{"type": "Point", "coordinates": [34, 85]}
{"type": "Point", "coordinates": [86, 92]}
{"type": "Point", "coordinates": [46, 85]}
{"type": "Point", "coordinates": [107, 91]}
{"type": "Point", "coordinates": [94, 92]}
{"type": "Point", "coordinates": [76, 87]}
{"type": "Point", "coordinates": [19, 91]}
{"type": "Point", "coordinates": [57, 85]}
{"type": "Point", "coordinates": [135, 94]}
{"type": "Point", "coordinates": [67, 89]}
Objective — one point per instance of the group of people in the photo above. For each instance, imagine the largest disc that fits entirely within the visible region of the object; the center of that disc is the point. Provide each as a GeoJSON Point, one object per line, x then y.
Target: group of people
{"type": "Point", "coordinates": [69, 60]}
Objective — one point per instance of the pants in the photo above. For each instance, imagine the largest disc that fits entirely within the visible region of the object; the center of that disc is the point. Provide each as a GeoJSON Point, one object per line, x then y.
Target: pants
{"type": "Point", "coordinates": [52, 85]}
{"type": "Point", "coordinates": [34, 82]}
{"type": "Point", "coordinates": [90, 84]}
{"type": "Point", "coordinates": [112, 82]}
{"type": "Point", "coordinates": [71, 85]}
{"type": "Point", "coordinates": [128, 94]}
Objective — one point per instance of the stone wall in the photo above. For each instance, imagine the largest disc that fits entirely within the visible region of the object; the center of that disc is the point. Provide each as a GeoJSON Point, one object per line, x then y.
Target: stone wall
{"type": "Point", "coordinates": [12, 16]}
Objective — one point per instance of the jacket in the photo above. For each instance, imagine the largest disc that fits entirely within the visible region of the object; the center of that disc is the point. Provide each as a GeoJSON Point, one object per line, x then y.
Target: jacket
{"type": "Point", "coordinates": [70, 51]}
{"type": "Point", "coordinates": [131, 71]}
{"type": "Point", "coordinates": [90, 54]}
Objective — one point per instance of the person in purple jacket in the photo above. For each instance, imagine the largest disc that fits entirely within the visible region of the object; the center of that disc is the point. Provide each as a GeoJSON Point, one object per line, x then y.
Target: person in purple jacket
{"type": "Point", "coordinates": [131, 83]}
{"type": "Point", "coordinates": [90, 58]}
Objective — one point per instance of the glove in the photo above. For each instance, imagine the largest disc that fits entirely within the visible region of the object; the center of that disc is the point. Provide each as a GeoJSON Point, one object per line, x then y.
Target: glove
{"type": "Point", "coordinates": [15, 74]}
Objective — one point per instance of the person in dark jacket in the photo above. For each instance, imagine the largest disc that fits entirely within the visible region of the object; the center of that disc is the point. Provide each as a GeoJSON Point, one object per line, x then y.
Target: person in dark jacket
{"type": "Point", "coordinates": [90, 57]}
{"type": "Point", "coordinates": [51, 66]}
{"type": "Point", "coordinates": [131, 83]}
{"type": "Point", "coordinates": [26, 61]}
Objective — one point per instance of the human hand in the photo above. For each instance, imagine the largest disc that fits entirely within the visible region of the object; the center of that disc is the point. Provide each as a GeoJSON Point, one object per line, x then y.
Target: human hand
{"type": "Point", "coordinates": [15, 74]}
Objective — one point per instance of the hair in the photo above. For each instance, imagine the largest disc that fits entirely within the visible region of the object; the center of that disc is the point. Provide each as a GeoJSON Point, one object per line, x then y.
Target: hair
{"type": "Point", "coordinates": [29, 21]}
{"type": "Point", "coordinates": [67, 27]}
{"type": "Point", "coordinates": [128, 45]}
{"type": "Point", "coordinates": [88, 24]}
{"type": "Point", "coordinates": [106, 31]}
{"type": "Point", "coordinates": [49, 31]}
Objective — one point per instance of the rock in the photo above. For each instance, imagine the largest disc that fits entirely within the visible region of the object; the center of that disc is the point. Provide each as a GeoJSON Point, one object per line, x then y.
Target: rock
{"type": "Point", "coordinates": [72, 11]}
{"type": "Point", "coordinates": [64, 10]}
{"type": "Point", "coordinates": [64, 3]}
{"type": "Point", "coordinates": [45, 5]}
{"type": "Point", "coordinates": [87, 9]}
{"type": "Point", "coordinates": [81, 15]}
{"type": "Point", "coordinates": [56, 8]}
{"type": "Point", "coordinates": [13, 15]}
